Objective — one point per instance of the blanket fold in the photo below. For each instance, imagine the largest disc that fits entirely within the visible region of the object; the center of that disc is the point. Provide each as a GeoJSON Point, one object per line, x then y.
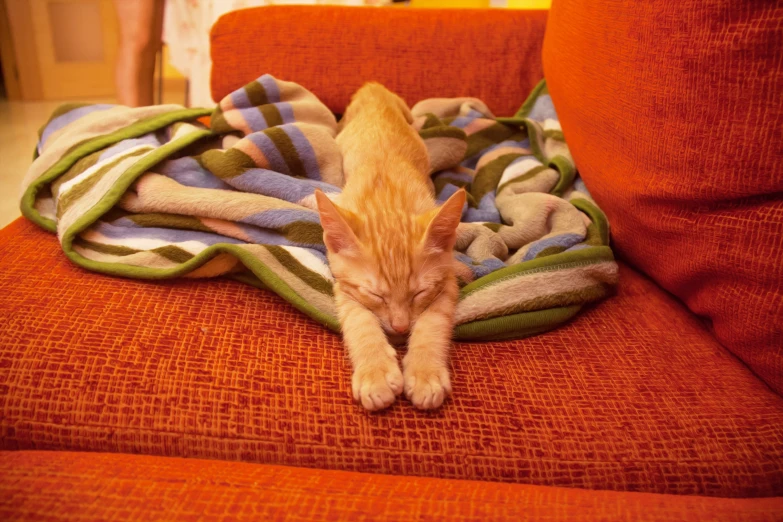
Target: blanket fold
{"type": "Point", "coordinates": [155, 192]}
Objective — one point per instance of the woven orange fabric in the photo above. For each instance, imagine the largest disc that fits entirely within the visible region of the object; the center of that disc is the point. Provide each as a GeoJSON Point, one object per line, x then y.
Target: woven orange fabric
{"type": "Point", "coordinates": [81, 486]}
{"type": "Point", "coordinates": [493, 55]}
{"type": "Point", "coordinates": [673, 113]}
{"type": "Point", "coordinates": [634, 395]}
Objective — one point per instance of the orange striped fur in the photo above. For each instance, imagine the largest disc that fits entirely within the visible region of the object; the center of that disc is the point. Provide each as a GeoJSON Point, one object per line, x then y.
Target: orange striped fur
{"type": "Point", "coordinates": [390, 250]}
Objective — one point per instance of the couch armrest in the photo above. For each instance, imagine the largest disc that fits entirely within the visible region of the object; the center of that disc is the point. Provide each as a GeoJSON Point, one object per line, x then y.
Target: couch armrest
{"type": "Point", "coordinates": [491, 54]}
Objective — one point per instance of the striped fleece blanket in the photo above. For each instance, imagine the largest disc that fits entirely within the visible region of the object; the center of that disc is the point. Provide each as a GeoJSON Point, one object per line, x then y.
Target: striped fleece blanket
{"type": "Point", "coordinates": [162, 192]}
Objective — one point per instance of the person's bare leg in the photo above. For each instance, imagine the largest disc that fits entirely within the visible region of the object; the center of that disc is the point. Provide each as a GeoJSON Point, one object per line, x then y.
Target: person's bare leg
{"type": "Point", "coordinates": [141, 27]}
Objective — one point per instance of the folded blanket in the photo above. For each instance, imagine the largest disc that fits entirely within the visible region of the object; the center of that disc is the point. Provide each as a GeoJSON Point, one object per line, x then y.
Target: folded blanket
{"type": "Point", "coordinates": [155, 193]}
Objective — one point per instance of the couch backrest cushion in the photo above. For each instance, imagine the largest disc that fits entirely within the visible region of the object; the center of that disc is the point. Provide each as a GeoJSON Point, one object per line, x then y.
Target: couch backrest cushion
{"type": "Point", "coordinates": [673, 111]}
{"type": "Point", "coordinates": [494, 55]}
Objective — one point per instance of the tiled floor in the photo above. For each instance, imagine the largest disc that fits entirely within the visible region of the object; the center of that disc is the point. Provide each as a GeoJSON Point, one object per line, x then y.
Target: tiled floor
{"type": "Point", "coordinates": [19, 124]}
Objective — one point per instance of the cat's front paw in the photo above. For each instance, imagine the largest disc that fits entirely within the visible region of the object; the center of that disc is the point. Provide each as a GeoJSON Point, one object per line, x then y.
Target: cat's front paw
{"type": "Point", "coordinates": [377, 385]}
{"type": "Point", "coordinates": [426, 386]}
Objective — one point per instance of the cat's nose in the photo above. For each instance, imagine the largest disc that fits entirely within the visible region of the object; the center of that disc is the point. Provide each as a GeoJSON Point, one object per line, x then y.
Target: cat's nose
{"type": "Point", "coordinates": [400, 327]}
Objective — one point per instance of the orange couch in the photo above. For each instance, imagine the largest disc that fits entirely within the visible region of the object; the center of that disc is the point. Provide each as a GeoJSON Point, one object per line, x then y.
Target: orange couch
{"type": "Point", "coordinates": [673, 415]}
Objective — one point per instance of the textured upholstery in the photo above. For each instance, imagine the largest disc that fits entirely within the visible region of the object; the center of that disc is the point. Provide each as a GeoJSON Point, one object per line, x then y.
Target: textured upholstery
{"type": "Point", "coordinates": [493, 55]}
{"type": "Point", "coordinates": [81, 486]}
{"type": "Point", "coordinates": [673, 113]}
{"type": "Point", "coordinates": [634, 395]}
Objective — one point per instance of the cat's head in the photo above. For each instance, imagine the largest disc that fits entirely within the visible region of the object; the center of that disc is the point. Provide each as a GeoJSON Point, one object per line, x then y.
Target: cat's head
{"type": "Point", "coordinates": [396, 265]}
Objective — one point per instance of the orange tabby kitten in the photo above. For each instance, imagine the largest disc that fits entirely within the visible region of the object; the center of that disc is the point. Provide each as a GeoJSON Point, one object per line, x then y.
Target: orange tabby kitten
{"type": "Point", "coordinates": [390, 251]}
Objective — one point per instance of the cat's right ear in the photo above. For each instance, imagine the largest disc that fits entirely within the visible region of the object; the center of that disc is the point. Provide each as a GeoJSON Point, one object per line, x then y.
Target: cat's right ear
{"type": "Point", "coordinates": [338, 235]}
{"type": "Point", "coordinates": [442, 231]}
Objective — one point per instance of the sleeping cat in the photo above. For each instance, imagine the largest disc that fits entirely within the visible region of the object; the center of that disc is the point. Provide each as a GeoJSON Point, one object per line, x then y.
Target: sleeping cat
{"type": "Point", "coordinates": [390, 250]}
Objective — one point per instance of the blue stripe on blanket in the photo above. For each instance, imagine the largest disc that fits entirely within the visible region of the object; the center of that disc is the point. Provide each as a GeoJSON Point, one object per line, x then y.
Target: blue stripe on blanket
{"type": "Point", "coordinates": [486, 212]}
{"type": "Point", "coordinates": [268, 148]}
{"type": "Point", "coordinates": [449, 188]}
{"type": "Point", "coordinates": [286, 112]}
{"type": "Point", "coordinates": [447, 191]}
{"type": "Point", "coordinates": [252, 116]}
{"type": "Point", "coordinates": [278, 218]}
{"type": "Point", "coordinates": [542, 109]}
{"type": "Point", "coordinates": [304, 150]}
{"type": "Point", "coordinates": [461, 122]}
{"type": "Point", "coordinates": [147, 139]}
{"type": "Point", "coordinates": [466, 177]}
{"type": "Point", "coordinates": [187, 171]}
{"type": "Point", "coordinates": [239, 99]}
{"type": "Point", "coordinates": [69, 117]}
{"type": "Point", "coordinates": [262, 236]}
{"type": "Point", "coordinates": [562, 240]}
{"type": "Point", "coordinates": [171, 235]}
{"type": "Point", "coordinates": [472, 161]}
{"type": "Point", "coordinates": [270, 86]}
{"type": "Point", "coordinates": [580, 186]}
{"type": "Point", "coordinates": [482, 268]}
{"type": "Point", "coordinates": [464, 120]}
{"type": "Point", "coordinates": [254, 119]}
{"type": "Point", "coordinates": [280, 186]}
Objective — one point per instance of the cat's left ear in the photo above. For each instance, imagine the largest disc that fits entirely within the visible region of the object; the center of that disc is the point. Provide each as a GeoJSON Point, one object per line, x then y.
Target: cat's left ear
{"type": "Point", "coordinates": [442, 230]}
{"type": "Point", "coordinates": [338, 234]}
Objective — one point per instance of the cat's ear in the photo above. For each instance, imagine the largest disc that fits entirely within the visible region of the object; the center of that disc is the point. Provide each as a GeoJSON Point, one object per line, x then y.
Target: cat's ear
{"type": "Point", "coordinates": [338, 235]}
{"type": "Point", "coordinates": [442, 230]}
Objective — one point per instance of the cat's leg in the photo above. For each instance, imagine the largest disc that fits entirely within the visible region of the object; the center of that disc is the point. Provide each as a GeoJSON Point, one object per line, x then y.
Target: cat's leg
{"type": "Point", "coordinates": [426, 365]}
{"type": "Point", "coordinates": [377, 379]}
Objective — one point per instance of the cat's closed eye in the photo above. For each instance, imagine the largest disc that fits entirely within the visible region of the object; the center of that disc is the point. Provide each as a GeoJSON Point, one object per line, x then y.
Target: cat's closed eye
{"type": "Point", "coordinates": [377, 298]}
{"type": "Point", "coordinates": [421, 294]}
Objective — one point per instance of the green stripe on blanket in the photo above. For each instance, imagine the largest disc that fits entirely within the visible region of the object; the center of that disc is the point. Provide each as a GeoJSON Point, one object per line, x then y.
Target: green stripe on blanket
{"type": "Point", "coordinates": [152, 193]}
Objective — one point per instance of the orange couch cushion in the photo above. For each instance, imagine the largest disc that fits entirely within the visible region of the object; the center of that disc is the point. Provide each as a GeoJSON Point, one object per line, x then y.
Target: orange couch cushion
{"type": "Point", "coordinates": [82, 486]}
{"type": "Point", "coordinates": [633, 395]}
{"type": "Point", "coordinates": [672, 111]}
{"type": "Point", "coordinates": [493, 55]}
